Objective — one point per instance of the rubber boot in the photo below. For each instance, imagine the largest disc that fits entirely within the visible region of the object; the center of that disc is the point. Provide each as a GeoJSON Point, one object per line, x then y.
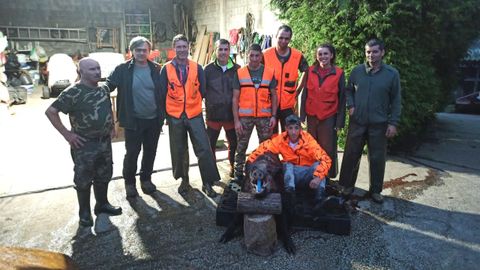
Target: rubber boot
{"type": "Point", "coordinates": [84, 212]}
{"type": "Point", "coordinates": [103, 206]}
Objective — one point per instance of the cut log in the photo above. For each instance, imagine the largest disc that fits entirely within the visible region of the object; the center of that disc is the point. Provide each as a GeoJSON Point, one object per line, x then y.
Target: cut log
{"type": "Point", "coordinates": [29, 258]}
{"type": "Point", "coordinates": [260, 234]}
{"type": "Point", "coordinates": [271, 204]}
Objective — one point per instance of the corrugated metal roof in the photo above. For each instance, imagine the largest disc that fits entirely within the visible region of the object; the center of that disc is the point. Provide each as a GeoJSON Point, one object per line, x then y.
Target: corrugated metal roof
{"type": "Point", "coordinates": [473, 53]}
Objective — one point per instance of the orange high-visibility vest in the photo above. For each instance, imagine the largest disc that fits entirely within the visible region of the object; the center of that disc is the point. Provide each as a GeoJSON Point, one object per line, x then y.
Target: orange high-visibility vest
{"type": "Point", "coordinates": [253, 101]}
{"type": "Point", "coordinates": [322, 99]}
{"type": "Point", "coordinates": [183, 98]}
{"type": "Point", "coordinates": [286, 75]}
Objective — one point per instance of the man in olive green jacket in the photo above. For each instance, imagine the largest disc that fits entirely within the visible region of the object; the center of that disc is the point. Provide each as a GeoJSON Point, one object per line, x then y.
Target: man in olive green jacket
{"type": "Point", "coordinates": [374, 105]}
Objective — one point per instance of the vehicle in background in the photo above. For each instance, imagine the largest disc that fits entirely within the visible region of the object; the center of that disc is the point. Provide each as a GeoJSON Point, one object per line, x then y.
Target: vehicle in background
{"type": "Point", "coordinates": [62, 72]}
{"type": "Point", "coordinates": [107, 61]}
{"type": "Point", "coordinates": [468, 104]}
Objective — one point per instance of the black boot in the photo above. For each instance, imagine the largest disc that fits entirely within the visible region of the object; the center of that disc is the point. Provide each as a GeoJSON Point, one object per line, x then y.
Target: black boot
{"type": "Point", "coordinates": [207, 188]}
{"type": "Point", "coordinates": [103, 206]}
{"type": "Point", "coordinates": [148, 187]}
{"type": "Point", "coordinates": [85, 213]}
{"type": "Point", "coordinates": [184, 186]}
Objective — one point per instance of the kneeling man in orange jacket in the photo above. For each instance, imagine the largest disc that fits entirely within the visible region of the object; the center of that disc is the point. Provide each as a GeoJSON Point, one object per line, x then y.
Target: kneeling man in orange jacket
{"type": "Point", "coordinates": [305, 163]}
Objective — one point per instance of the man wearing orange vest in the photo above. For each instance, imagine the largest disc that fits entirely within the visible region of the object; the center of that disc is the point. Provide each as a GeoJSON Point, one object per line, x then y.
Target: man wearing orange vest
{"type": "Point", "coordinates": [254, 104]}
{"type": "Point", "coordinates": [286, 62]}
{"type": "Point", "coordinates": [184, 81]}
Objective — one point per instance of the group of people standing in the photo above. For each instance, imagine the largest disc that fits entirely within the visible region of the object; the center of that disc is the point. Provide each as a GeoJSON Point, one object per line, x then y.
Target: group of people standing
{"type": "Point", "coordinates": [263, 94]}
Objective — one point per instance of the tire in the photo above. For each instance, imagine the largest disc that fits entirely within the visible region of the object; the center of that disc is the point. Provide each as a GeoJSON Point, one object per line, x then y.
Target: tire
{"type": "Point", "coordinates": [45, 92]}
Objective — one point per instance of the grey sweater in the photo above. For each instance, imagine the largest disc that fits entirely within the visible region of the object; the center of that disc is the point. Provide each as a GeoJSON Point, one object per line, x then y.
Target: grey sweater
{"type": "Point", "coordinates": [376, 97]}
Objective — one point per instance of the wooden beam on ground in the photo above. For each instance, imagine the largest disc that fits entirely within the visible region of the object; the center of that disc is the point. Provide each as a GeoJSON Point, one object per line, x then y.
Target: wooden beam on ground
{"type": "Point", "coordinates": [30, 258]}
{"type": "Point", "coordinates": [271, 204]}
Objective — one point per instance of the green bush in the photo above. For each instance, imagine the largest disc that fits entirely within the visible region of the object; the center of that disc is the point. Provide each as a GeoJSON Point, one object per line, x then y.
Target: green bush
{"type": "Point", "coordinates": [425, 41]}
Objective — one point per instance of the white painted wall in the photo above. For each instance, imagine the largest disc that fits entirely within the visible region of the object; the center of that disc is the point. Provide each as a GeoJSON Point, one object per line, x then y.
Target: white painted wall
{"type": "Point", "coordinates": [224, 15]}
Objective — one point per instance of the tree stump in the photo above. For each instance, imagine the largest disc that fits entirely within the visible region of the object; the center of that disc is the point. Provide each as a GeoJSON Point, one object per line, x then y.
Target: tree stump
{"type": "Point", "coordinates": [260, 234]}
{"type": "Point", "coordinates": [271, 204]}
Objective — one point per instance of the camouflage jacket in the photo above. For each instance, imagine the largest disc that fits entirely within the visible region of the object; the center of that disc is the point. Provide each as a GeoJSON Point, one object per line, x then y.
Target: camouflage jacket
{"type": "Point", "coordinates": [89, 110]}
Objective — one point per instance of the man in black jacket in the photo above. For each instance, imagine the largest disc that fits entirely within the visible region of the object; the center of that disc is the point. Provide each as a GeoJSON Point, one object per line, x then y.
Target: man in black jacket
{"type": "Point", "coordinates": [218, 99]}
{"type": "Point", "coordinates": [140, 111]}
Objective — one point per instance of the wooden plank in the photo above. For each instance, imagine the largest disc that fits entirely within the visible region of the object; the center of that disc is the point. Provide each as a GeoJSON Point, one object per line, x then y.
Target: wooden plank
{"type": "Point", "coordinates": [210, 48]}
{"type": "Point", "coordinates": [198, 42]}
{"type": "Point", "coordinates": [203, 50]}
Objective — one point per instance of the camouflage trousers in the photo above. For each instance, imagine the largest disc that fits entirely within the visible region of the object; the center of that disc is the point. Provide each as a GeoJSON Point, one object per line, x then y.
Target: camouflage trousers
{"type": "Point", "coordinates": [92, 163]}
{"type": "Point", "coordinates": [264, 132]}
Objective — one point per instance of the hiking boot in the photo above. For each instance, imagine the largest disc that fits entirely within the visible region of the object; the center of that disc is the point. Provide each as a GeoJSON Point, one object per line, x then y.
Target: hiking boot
{"type": "Point", "coordinates": [184, 186]}
{"type": "Point", "coordinates": [131, 190]}
{"type": "Point", "coordinates": [207, 188]}
{"type": "Point", "coordinates": [148, 187]}
{"type": "Point", "coordinates": [377, 197]}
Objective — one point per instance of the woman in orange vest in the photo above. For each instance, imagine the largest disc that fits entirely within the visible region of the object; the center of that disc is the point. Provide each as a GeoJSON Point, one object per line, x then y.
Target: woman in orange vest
{"type": "Point", "coordinates": [323, 102]}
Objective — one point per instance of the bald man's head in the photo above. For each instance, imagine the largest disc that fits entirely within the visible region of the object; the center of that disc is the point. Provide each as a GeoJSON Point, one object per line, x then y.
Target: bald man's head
{"type": "Point", "coordinates": [90, 72]}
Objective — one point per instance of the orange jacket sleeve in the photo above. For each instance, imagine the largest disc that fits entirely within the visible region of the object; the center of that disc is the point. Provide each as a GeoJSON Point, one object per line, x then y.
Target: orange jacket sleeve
{"type": "Point", "coordinates": [270, 145]}
{"type": "Point", "coordinates": [320, 155]}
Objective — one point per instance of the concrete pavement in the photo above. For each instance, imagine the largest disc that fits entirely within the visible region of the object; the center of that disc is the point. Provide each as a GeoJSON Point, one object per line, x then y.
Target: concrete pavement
{"type": "Point", "coordinates": [429, 220]}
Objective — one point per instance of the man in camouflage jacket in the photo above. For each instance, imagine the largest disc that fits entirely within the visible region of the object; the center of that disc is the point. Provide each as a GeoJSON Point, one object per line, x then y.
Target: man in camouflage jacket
{"type": "Point", "coordinates": [89, 109]}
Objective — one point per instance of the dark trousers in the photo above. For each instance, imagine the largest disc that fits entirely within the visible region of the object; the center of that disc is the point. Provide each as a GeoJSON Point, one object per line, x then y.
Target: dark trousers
{"type": "Point", "coordinates": [281, 115]}
{"type": "Point", "coordinates": [146, 135]}
{"type": "Point", "coordinates": [325, 134]}
{"type": "Point", "coordinates": [358, 135]}
{"type": "Point", "coordinates": [231, 139]}
{"type": "Point", "coordinates": [179, 130]}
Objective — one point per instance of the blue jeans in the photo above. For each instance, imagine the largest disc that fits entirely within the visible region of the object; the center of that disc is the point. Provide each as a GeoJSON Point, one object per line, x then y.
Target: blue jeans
{"type": "Point", "coordinates": [300, 176]}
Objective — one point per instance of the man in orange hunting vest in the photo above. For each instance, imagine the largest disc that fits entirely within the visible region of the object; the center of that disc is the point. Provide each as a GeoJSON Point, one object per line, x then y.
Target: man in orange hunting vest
{"type": "Point", "coordinates": [287, 62]}
{"type": "Point", "coordinates": [254, 104]}
{"type": "Point", "coordinates": [184, 81]}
